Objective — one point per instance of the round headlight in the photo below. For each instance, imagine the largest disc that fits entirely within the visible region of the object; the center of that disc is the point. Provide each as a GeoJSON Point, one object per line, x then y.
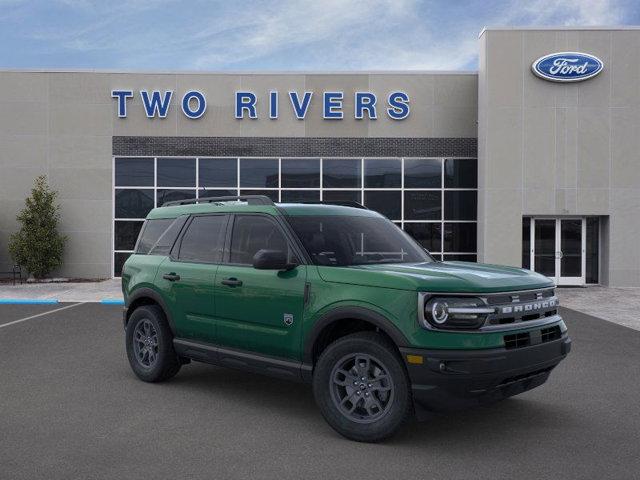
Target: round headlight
{"type": "Point", "coordinates": [439, 311]}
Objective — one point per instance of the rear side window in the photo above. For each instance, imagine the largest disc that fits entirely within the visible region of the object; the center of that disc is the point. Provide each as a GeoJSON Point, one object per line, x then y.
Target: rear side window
{"type": "Point", "coordinates": [252, 233]}
{"type": "Point", "coordinates": [168, 238]}
{"type": "Point", "coordinates": [204, 239]}
{"type": "Point", "coordinates": [151, 232]}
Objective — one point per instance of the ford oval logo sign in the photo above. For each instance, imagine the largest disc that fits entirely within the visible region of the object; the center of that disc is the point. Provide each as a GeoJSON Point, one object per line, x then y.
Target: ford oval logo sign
{"type": "Point", "coordinates": [567, 66]}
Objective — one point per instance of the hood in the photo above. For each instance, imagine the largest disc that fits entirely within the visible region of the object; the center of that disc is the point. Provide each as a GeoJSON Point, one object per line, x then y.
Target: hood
{"type": "Point", "coordinates": [453, 277]}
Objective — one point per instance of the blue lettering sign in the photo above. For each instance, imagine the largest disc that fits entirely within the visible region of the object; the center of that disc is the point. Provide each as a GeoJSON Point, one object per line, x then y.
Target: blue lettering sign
{"type": "Point", "coordinates": [365, 101]}
{"type": "Point", "coordinates": [200, 100]}
{"type": "Point", "coordinates": [398, 105]}
{"type": "Point", "coordinates": [246, 101]}
{"type": "Point", "coordinates": [156, 105]}
{"type": "Point", "coordinates": [122, 96]}
{"type": "Point", "coordinates": [332, 105]}
{"type": "Point", "coordinates": [300, 108]}
{"type": "Point", "coordinates": [273, 105]}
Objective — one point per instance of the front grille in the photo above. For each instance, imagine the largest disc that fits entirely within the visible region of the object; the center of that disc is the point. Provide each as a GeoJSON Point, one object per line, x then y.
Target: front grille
{"type": "Point", "coordinates": [517, 340]}
{"type": "Point", "coordinates": [519, 307]}
{"type": "Point", "coordinates": [529, 296]}
{"type": "Point", "coordinates": [551, 333]}
{"type": "Point", "coordinates": [525, 339]}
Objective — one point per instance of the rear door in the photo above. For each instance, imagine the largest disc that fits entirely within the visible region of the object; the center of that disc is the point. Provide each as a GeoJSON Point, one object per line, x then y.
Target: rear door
{"type": "Point", "coordinates": [259, 310]}
{"type": "Point", "coordinates": [187, 276]}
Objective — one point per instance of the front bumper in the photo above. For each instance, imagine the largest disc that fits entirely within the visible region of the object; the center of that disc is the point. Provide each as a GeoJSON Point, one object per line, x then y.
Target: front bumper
{"type": "Point", "coordinates": [454, 379]}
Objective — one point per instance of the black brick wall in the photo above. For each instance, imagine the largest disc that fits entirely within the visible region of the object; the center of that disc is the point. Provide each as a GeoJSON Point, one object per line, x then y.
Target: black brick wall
{"type": "Point", "coordinates": [294, 146]}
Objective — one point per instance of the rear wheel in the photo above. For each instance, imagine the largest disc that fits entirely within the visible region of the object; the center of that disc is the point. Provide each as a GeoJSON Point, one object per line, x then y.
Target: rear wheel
{"type": "Point", "coordinates": [150, 345]}
{"type": "Point", "coordinates": [362, 388]}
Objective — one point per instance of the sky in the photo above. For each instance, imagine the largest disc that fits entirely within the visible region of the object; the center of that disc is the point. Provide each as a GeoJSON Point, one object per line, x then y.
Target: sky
{"type": "Point", "coordinates": [237, 35]}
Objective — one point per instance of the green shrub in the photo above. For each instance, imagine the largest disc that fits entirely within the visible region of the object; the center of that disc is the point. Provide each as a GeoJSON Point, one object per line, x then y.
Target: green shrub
{"type": "Point", "coordinates": [37, 246]}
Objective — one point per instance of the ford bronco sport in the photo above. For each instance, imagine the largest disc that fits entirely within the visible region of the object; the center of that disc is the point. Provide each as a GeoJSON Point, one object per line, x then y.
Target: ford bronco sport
{"type": "Point", "coordinates": [337, 296]}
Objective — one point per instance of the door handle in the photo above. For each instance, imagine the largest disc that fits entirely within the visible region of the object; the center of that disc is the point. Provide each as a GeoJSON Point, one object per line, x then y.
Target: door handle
{"type": "Point", "coordinates": [172, 277]}
{"type": "Point", "coordinates": [232, 282]}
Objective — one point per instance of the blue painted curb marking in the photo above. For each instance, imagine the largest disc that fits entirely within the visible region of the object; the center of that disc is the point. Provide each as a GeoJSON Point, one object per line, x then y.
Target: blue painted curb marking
{"type": "Point", "coordinates": [28, 301]}
{"type": "Point", "coordinates": [112, 301]}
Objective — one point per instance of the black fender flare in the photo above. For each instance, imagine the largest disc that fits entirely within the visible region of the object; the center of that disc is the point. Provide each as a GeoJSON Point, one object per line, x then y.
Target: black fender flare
{"type": "Point", "coordinates": [355, 313]}
{"type": "Point", "coordinates": [145, 292]}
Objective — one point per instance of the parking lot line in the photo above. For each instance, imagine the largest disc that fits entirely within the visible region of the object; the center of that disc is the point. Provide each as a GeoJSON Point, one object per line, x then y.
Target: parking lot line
{"type": "Point", "coordinates": [40, 314]}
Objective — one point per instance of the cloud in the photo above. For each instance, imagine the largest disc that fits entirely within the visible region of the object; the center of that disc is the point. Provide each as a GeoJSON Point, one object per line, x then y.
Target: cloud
{"type": "Point", "coordinates": [285, 34]}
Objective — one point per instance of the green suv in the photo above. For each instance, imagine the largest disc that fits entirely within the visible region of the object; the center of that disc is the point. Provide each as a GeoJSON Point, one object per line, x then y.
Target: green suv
{"type": "Point", "coordinates": [337, 296]}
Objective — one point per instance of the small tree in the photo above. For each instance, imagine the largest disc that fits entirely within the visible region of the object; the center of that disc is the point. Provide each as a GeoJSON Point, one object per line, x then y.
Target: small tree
{"type": "Point", "coordinates": [37, 246]}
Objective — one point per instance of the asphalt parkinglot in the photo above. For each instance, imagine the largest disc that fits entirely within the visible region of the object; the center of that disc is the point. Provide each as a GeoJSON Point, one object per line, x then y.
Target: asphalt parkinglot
{"type": "Point", "coordinates": [70, 408]}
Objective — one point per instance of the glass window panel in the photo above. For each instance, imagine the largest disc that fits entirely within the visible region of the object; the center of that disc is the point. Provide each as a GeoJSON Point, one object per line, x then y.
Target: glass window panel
{"type": "Point", "coordinates": [218, 172]}
{"type": "Point", "coordinates": [382, 173]}
{"type": "Point", "coordinates": [426, 234]}
{"type": "Point", "coordinates": [118, 261]}
{"type": "Point", "coordinates": [134, 172]}
{"type": "Point", "coordinates": [295, 196]}
{"type": "Point", "coordinates": [593, 241]}
{"type": "Point", "coordinates": [460, 205]}
{"type": "Point", "coordinates": [437, 256]}
{"type": "Point", "coordinates": [341, 173]}
{"type": "Point", "coordinates": [272, 194]}
{"type": "Point", "coordinates": [460, 258]}
{"type": "Point", "coordinates": [252, 233]}
{"type": "Point", "coordinates": [461, 173]}
{"type": "Point", "coordinates": [153, 229]}
{"type": "Point", "coordinates": [133, 203]}
{"type": "Point", "coordinates": [204, 239]}
{"type": "Point", "coordinates": [165, 195]}
{"type": "Point", "coordinates": [342, 196]}
{"type": "Point", "coordinates": [388, 204]}
{"type": "Point", "coordinates": [176, 172]}
{"type": "Point", "coordinates": [202, 193]}
{"type": "Point", "coordinates": [300, 173]}
{"type": "Point", "coordinates": [166, 240]}
{"type": "Point", "coordinates": [125, 234]}
{"type": "Point", "coordinates": [526, 243]}
{"type": "Point", "coordinates": [422, 173]}
{"type": "Point", "coordinates": [259, 172]}
{"type": "Point", "coordinates": [460, 237]}
{"type": "Point", "coordinates": [422, 205]}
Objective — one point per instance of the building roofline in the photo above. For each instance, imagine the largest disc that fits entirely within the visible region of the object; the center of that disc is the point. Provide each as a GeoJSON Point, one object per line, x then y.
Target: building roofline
{"type": "Point", "coordinates": [562, 27]}
{"type": "Point", "coordinates": [237, 72]}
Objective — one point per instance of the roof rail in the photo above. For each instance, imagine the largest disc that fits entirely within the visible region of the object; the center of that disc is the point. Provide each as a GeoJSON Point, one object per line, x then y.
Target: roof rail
{"type": "Point", "coordinates": [250, 199]}
{"type": "Point", "coordinates": [342, 203]}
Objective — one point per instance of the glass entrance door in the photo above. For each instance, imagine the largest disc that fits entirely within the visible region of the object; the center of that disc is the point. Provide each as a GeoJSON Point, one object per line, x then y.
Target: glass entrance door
{"type": "Point", "coordinates": [571, 240]}
{"type": "Point", "coordinates": [558, 249]}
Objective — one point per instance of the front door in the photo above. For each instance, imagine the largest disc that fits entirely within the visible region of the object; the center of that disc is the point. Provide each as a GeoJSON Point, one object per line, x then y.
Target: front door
{"type": "Point", "coordinates": [558, 249]}
{"type": "Point", "coordinates": [259, 310]}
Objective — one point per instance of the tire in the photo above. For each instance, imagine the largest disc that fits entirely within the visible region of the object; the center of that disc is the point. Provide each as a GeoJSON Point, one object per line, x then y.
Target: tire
{"type": "Point", "coordinates": [152, 357]}
{"type": "Point", "coordinates": [383, 405]}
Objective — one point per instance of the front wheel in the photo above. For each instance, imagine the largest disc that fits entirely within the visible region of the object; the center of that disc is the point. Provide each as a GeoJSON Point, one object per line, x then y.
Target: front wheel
{"type": "Point", "coordinates": [150, 345]}
{"type": "Point", "coordinates": [362, 388]}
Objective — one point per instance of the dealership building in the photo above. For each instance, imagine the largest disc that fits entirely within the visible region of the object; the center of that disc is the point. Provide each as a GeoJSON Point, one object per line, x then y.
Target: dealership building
{"type": "Point", "coordinates": [533, 160]}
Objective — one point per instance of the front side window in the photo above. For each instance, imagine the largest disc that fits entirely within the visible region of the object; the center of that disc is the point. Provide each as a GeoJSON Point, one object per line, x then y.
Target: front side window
{"type": "Point", "coordinates": [345, 240]}
{"type": "Point", "coordinates": [252, 233]}
{"type": "Point", "coordinates": [204, 239]}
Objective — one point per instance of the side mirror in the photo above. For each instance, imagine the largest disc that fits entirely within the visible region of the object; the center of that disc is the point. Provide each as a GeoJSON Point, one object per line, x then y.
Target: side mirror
{"type": "Point", "coordinates": [271, 260]}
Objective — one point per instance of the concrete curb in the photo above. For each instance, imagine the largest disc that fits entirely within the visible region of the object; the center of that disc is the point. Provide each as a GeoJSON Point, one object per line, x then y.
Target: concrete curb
{"type": "Point", "coordinates": [112, 301]}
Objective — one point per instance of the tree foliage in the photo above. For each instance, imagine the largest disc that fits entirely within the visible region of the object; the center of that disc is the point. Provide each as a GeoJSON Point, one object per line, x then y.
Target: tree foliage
{"type": "Point", "coordinates": [37, 246]}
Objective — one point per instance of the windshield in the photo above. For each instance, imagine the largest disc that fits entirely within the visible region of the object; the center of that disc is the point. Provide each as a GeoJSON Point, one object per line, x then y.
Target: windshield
{"type": "Point", "coordinates": [342, 241]}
